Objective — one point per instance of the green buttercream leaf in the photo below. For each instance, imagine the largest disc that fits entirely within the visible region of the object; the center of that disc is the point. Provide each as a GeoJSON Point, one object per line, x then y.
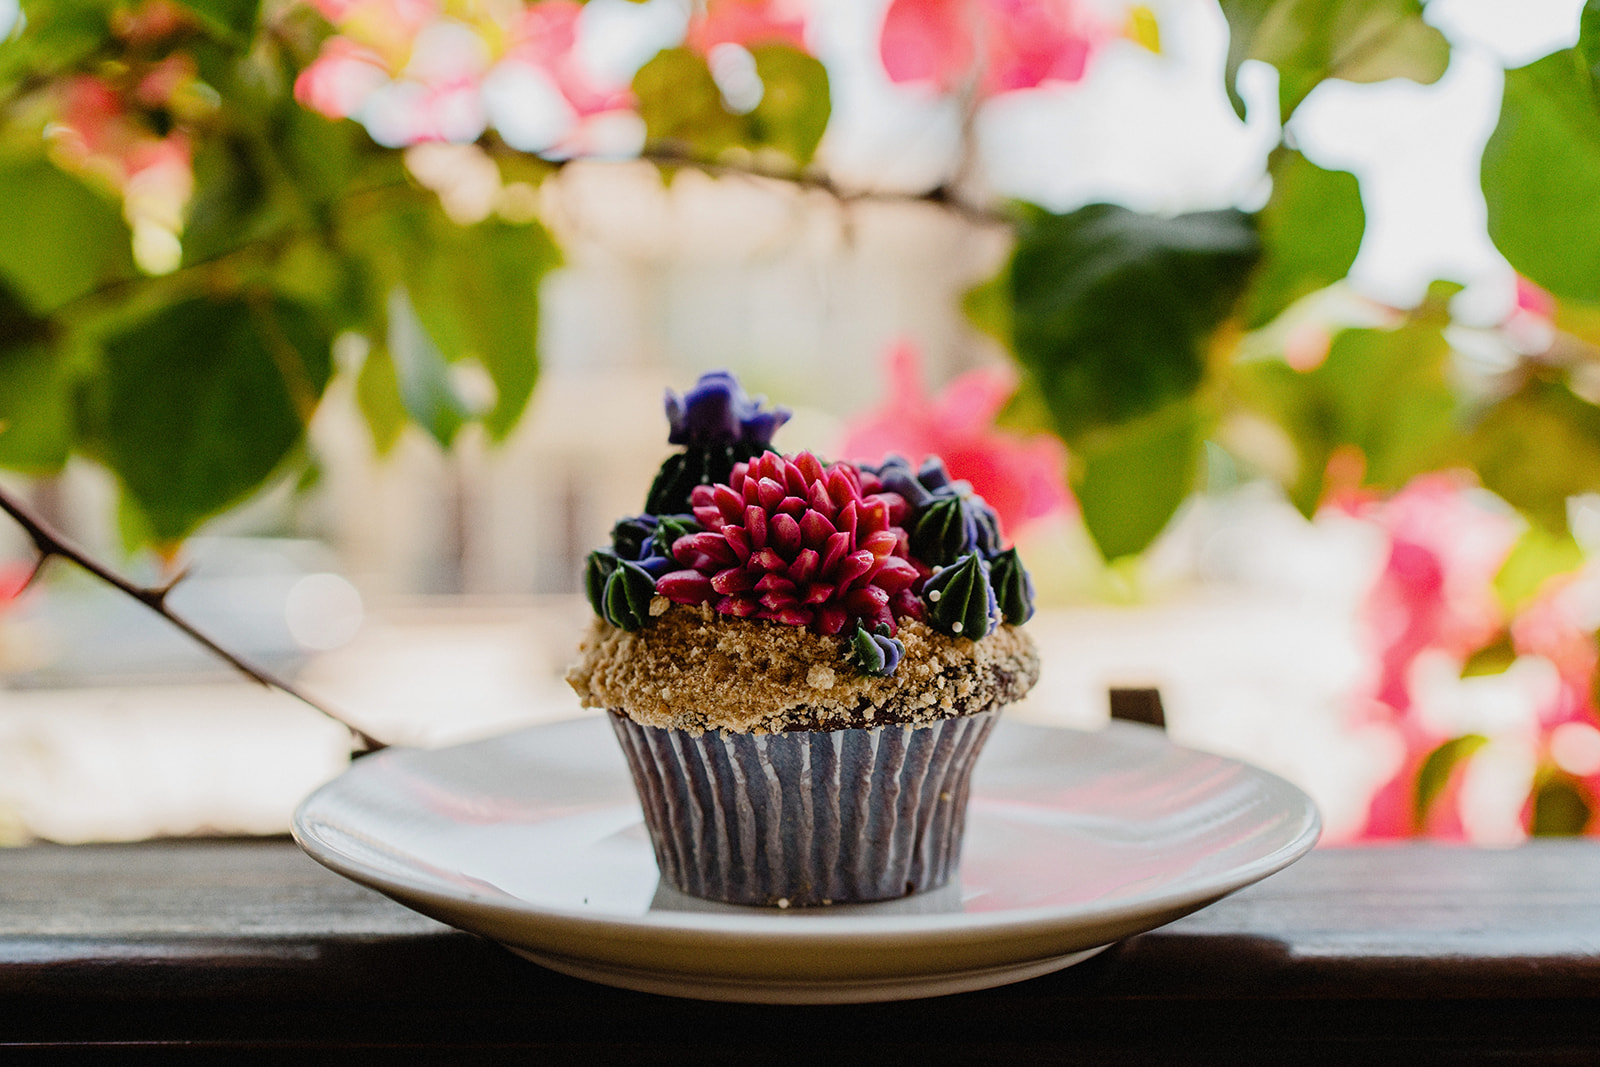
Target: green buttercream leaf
{"type": "Point", "coordinates": [1012, 587]}
{"type": "Point", "coordinates": [698, 465]}
{"type": "Point", "coordinates": [960, 601]}
{"type": "Point", "coordinates": [627, 596]}
{"type": "Point", "coordinates": [939, 535]}
{"type": "Point", "coordinates": [669, 529]}
{"type": "Point", "coordinates": [874, 651]}
{"type": "Point", "coordinates": [595, 573]}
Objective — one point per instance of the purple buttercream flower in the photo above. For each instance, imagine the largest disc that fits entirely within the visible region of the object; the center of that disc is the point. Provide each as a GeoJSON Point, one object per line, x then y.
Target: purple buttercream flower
{"type": "Point", "coordinates": [717, 411]}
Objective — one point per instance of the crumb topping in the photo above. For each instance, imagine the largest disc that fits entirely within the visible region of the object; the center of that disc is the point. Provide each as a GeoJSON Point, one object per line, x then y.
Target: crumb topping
{"type": "Point", "coordinates": [695, 670]}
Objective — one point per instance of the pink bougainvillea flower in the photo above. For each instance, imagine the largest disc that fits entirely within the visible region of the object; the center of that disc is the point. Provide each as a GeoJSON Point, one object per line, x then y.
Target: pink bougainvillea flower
{"type": "Point", "coordinates": [1435, 592]}
{"type": "Point", "coordinates": [1022, 478]}
{"type": "Point", "coordinates": [748, 23]}
{"type": "Point", "coordinates": [341, 79]}
{"type": "Point", "coordinates": [98, 134]}
{"type": "Point", "coordinates": [1530, 326]}
{"type": "Point", "coordinates": [1024, 43]}
{"type": "Point", "coordinates": [415, 71]}
{"type": "Point", "coordinates": [1534, 299]}
{"type": "Point", "coordinates": [544, 36]}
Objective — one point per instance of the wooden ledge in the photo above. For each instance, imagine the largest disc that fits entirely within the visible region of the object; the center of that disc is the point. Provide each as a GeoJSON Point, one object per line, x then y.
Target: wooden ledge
{"type": "Point", "coordinates": [1441, 954]}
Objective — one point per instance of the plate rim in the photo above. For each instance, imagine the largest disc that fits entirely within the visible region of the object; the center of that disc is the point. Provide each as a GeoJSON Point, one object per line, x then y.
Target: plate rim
{"type": "Point", "coordinates": [768, 924]}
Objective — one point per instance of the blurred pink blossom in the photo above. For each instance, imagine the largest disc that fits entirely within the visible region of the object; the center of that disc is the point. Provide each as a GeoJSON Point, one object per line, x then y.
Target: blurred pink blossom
{"type": "Point", "coordinates": [544, 36]}
{"type": "Point", "coordinates": [341, 79]}
{"type": "Point", "coordinates": [415, 71]}
{"type": "Point", "coordinates": [1023, 43]}
{"type": "Point", "coordinates": [97, 133]}
{"type": "Point", "coordinates": [748, 23]}
{"type": "Point", "coordinates": [1446, 544]}
{"type": "Point", "coordinates": [1023, 478]}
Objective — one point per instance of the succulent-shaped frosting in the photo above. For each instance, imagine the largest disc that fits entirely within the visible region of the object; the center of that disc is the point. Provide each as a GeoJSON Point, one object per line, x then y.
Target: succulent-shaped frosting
{"type": "Point", "coordinates": [719, 425]}
{"type": "Point", "coordinates": [1013, 589]}
{"type": "Point", "coordinates": [619, 590]}
{"type": "Point", "coordinates": [876, 651]}
{"type": "Point", "coordinates": [948, 518]}
{"type": "Point", "coordinates": [960, 599]}
{"type": "Point", "coordinates": [796, 542]}
{"type": "Point", "coordinates": [845, 551]}
{"type": "Point", "coordinates": [948, 524]}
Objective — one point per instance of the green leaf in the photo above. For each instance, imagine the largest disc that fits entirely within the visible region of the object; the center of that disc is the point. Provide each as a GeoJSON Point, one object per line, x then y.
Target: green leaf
{"type": "Point", "coordinates": [682, 107]}
{"type": "Point", "coordinates": [36, 418]}
{"type": "Point", "coordinates": [378, 397]}
{"type": "Point", "coordinates": [1541, 175]}
{"type": "Point", "coordinates": [684, 110]}
{"type": "Point", "coordinates": [1309, 41]}
{"type": "Point", "coordinates": [1385, 392]}
{"type": "Point", "coordinates": [1436, 772]}
{"type": "Point", "coordinates": [988, 307]}
{"type": "Point", "coordinates": [61, 239]}
{"type": "Point", "coordinates": [201, 401]}
{"type": "Point", "coordinates": [1131, 481]}
{"type": "Point", "coordinates": [230, 194]}
{"type": "Point", "coordinates": [233, 18]}
{"type": "Point", "coordinates": [1560, 808]}
{"type": "Point", "coordinates": [795, 104]}
{"type": "Point", "coordinates": [1114, 310]}
{"type": "Point", "coordinates": [1494, 658]}
{"type": "Point", "coordinates": [476, 290]}
{"type": "Point", "coordinates": [59, 36]}
{"type": "Point", "coordinates": [1536, 448]}
{"type": "Point", "coordinates": [1244, 20]}
{"type": "Point", "coordinates": [1538, 556]}
{"type": "Point", "coordinates": [1589, 37]}
{"type": "Point", "coordinates": [422, 374]}
{"type": "Point", "coordinates": [1310, 233]}
{"type": "Point", "coordinates": [471, 292]}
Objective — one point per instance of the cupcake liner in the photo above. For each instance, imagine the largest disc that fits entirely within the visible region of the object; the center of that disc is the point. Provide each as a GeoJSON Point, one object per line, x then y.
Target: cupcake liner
{"type": "Point", "coordinates": [805, 817]}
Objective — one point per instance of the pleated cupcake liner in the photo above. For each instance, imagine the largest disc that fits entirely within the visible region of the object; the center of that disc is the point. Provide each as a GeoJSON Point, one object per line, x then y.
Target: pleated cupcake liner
{"type": "Point", "coordinates": [806, 817]}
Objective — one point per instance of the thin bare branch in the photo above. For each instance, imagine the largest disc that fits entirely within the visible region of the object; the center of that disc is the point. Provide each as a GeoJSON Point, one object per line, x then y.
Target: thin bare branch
{"type": "Point", "coordinates": [941, 196]}
{"type": "Point", "coordinates": [50, 544]}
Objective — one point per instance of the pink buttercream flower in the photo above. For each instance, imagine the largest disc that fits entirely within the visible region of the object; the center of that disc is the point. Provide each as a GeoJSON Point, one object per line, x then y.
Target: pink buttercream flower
{"type": "Point", "coordinates": [792, 541]}
{"type": "Point", "coordinates": [1022, 478]}
{"type": "Point", "coordinates": [1020, 44]}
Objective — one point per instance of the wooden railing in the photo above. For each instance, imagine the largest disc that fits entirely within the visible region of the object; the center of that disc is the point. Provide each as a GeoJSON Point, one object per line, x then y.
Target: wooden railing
{"type": "Point", "coordinates": [1435, 953]}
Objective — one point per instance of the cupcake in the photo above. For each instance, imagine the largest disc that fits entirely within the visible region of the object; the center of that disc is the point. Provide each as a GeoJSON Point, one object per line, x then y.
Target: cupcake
{"type": "Point", "coordinates": [801, 660]}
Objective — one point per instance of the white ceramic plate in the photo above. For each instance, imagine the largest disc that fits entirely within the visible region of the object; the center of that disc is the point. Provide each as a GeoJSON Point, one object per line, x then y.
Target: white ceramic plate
{"type": "Point", "coordinates": [1074, 840]}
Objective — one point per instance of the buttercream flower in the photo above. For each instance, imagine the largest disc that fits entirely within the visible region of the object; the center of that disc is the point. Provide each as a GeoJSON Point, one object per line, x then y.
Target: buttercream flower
{"type": "Point", "coordinates": [793, 541]}
{"type": "Point", "coordinates": [717, 411]}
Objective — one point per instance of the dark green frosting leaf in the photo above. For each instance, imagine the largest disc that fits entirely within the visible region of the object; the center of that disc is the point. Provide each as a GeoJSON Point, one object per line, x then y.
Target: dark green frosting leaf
{"type": "Point", "coordinates": [960, 601]}
{"type": "Point", "coordinates": [669, 529]}
{"type": "Point", "coordinates": [874, 651]}
{"type": "Point", "coordinates": [1012, 587]}
{"type": "Point", "coordinates": [943, 532]}
{"type": "Point", "coordinates": [596, 570]}
{"type": "Point", "coordinates": [627, 596]}
{"type": "Point", "coordinates": [698, 465]}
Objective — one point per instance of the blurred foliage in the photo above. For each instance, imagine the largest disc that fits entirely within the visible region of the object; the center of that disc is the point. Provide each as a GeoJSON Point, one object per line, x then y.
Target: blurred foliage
{"type": "Point", "coordinates": [1141, 336]}
{"type": "Point", "coordinates": [189, 227]}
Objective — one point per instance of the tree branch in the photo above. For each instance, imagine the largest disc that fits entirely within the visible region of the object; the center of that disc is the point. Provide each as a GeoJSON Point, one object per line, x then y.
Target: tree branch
{"type": "Point", "coordinates": [51, 544]}
{"type": "Point", "coordinates": [941, 196]}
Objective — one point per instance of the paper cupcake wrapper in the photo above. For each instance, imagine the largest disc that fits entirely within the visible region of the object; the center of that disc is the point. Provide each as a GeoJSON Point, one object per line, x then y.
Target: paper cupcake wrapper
{"type": "Point", "coordinates": [806, 817]}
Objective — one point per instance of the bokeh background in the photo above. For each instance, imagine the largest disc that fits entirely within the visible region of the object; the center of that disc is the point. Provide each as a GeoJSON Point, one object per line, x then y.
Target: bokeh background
{"type": "Point", "coordinates": [1269, 329]}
